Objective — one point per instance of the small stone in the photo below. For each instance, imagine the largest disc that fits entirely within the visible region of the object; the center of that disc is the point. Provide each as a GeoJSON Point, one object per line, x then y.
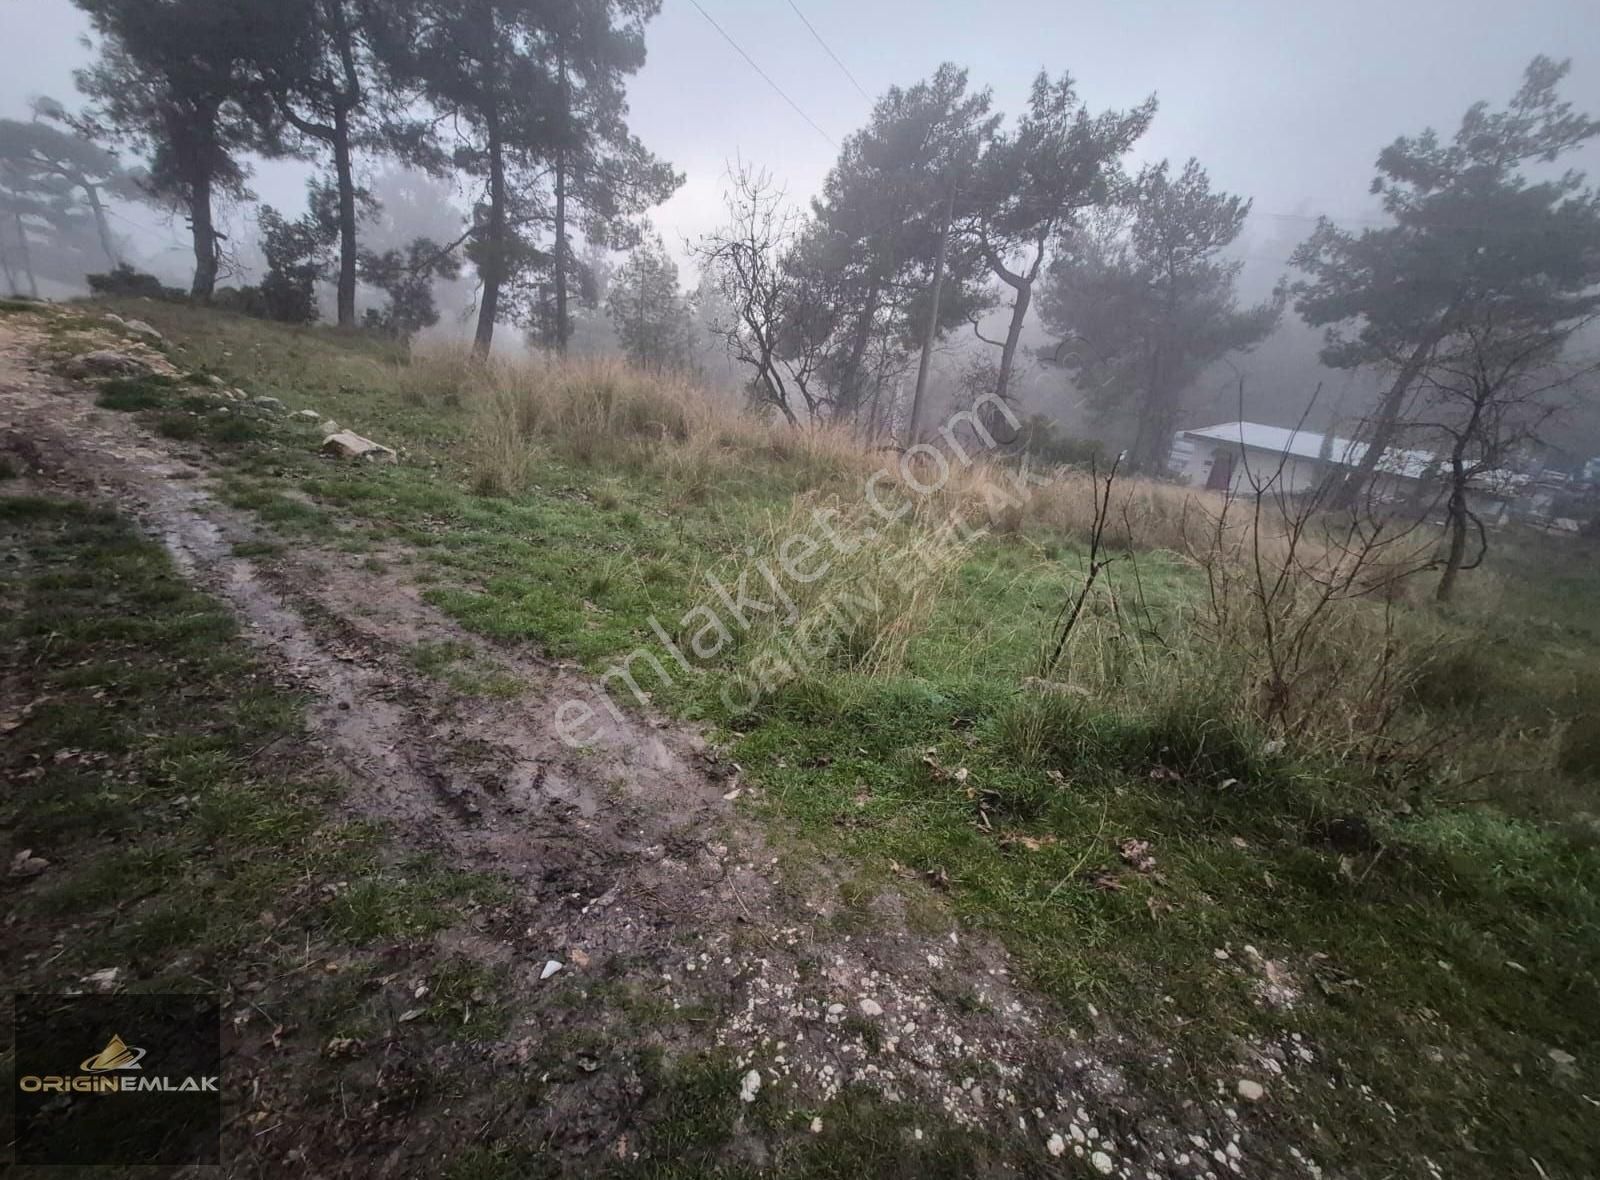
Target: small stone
{"type": "Point", "coordinates": [25, 864]}
{"type": "Point", "coordinates": [750, 1086]}
{"type": "Point", "coordinates": [347, 444]}
{"type": "Point", "coordinates": [871, 1008]}
{"type": "Point", "coordinates": [105, 979]}
{"type": "Point", "coordinates": [550, 968]}
{"type": "Point", "coordinates": [307, 415]}
{"type": "Point", "coordinates": [1251, 1091]}
{"type": "Point", "coordinates": [275, 405]}
{"type": "Point", "coordinates": [1102, 1163]}
{"type": "Point", "coordinates": [816, 1125]}
{"type": "Point", "coordinates": [1056, 1145]}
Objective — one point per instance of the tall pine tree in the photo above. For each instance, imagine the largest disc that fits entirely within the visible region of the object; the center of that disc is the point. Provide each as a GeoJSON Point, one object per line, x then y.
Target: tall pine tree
{"type": "Point", "coordinates": [173, 80]}
{"type": "Point", "coordinates": [1392, 296]}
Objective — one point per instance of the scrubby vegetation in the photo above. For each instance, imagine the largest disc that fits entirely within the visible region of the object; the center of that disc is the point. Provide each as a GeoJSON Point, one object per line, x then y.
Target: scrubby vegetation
{"type": "Point", "coordinates": [1268, 794]}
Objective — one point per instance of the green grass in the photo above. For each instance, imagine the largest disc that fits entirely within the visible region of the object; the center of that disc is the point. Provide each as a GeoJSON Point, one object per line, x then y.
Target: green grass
{"type": "Point", "coordinates": [1438, 967]}
{"type": "Point", "coordinates": [142, 757]}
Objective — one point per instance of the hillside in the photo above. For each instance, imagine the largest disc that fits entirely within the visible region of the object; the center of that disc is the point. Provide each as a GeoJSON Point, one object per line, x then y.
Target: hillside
{"type": "Point", "coordinates": [1154, 841]}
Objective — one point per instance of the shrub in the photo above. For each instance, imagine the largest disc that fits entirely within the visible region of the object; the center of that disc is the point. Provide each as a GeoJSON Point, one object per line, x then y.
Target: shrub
{"type": "Point", "coordinates": [181, 427]}
{"type": "Point", "coordinates": [124, 280]}
{"type": "Point", "coordinates": [130, 394]}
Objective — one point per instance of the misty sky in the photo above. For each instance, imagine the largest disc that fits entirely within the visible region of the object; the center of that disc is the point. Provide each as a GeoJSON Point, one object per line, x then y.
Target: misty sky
{"type": "Point", "coordinates": [1284, 101]}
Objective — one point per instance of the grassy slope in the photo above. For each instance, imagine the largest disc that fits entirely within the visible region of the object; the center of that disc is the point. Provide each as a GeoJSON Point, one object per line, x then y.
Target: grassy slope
{"type": "Point", "coordinates": [193, 848]}
{"type": "Point", "coordinates": [1438, 972]}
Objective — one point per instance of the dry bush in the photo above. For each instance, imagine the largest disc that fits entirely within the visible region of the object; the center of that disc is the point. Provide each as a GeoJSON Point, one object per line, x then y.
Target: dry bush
{"type": "Point", "coordinates": [879, 589]}
{"type": "Point", "coordinates": [445, 374]}
{"type": "Point", "coordinates": [603, 410]}
{"type": "Point", "coordinates": [1296, 637]}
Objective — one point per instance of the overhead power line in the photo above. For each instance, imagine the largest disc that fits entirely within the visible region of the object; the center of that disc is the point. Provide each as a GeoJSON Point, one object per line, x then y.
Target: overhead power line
{"type": "Point", "coordinates": [825, 48]}
{"type": "Point", "coordinates": [764, 75]}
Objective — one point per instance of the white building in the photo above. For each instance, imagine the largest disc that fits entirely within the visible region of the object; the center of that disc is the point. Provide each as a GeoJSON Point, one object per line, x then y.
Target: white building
{"type": "Point", "coordinates": [1235, 456]}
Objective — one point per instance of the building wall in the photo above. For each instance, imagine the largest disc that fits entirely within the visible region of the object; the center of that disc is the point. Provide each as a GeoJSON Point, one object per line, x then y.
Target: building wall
{"type": "Point", "coordinates": [1193, 460]}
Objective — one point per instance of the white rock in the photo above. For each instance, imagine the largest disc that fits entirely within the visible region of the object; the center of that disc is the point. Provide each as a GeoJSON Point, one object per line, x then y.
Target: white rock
{"type": "Point", "coordinates": [750, 1086]}
{"type": "Point", "coordinates": [105, 362]}
{"type": "Point", "coordinates": [1102, 1163]}
{"type": "Point", "coordinates": [347, 444]}
{"type": "Point", "coordinates": [268, 403]}
{"type": "Point", "coordinates": [307, 415]}
{"type": "Point", "coordinates": [871, 1008]}
{"type": "Point", "coordinates": [1251, 1091]}
{"type": "Point", "coordinates": [550, 968]}
{"type": "Point", "coordinates": [105, 979]}
{"type": "Point", "coordinates": [140, 328]}
{"type": "Point", "coordinates": [1056, 1145]}
{"type": "Point", "coordinates": [25, 864]}
{"type": "Point", "coordinates": [816, 1125]}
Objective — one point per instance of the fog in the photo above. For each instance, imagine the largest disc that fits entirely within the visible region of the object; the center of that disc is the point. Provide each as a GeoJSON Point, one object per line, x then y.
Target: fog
{"type": "Point", "coordinates": [1285, 104]}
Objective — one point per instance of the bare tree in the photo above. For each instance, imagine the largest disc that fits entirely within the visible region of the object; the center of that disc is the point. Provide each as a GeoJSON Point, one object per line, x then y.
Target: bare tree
{"type": "Point", "coordinates": [1489, 397]}
{"type": "Point", "coordinates": [762, 322]}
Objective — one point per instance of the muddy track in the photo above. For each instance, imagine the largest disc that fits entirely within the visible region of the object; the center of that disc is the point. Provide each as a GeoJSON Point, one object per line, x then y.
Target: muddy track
{"type": "Point", "coordinates": [626, 851]}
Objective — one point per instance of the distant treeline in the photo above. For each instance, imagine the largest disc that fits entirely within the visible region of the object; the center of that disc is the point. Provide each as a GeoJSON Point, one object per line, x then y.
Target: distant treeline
{"type": "Point", "coordinates": [940, 216]}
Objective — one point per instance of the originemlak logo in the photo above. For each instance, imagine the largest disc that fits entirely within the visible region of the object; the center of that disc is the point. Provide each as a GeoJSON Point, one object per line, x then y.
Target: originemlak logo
{"type": "Point", "coordinates": [116, 1055]}
{"type": "Point", "coordinates": [156, 1101]}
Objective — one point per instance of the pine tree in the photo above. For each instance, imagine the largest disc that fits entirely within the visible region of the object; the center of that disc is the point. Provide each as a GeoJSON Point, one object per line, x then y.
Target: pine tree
{"type": "Point", "coordinates": [173, 81]}
{"type": "Point", "coordinates": [1393, 295]}
{"type": "Point", "coordinates": [1033, 184]}
{"type": "Point", "coordinates": [316, 60]}
{"type": "Point", "coordinates": [878, 262]}
{"type": "Point", "coordinates": [39, 157]}
{"type": "Point", "coordinates": [508, 74]}
{"type": "Point", "coordinates": [1144, 308]}
{"type": "Point", "coordinates": [602, 177]}
{"type": "Point", "coordinates": [648, 310]}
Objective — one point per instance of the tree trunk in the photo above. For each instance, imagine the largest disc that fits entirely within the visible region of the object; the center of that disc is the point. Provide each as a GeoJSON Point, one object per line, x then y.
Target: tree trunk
{"type": "Point", "coordinates": [345, 174]}
{"type": "Point", "coordinates": [27, 258]}
{"type": "Point", "coordinates": [101, 224]}
{"type": "Point", "coordinates": [494, 261]}
{"type": "Point", "coordinates": [205, 240]}
{"type": "Point", "coordinates": [930, 332]}
{"type": "Point", "coordinates": [1456, 514]}
{"type": "Point", "coordinates": [561, 210]}
{"type": "Point", "coordinates": [1385, 425]}
{"type": "Point", "coordinates": [850, 379]}
{"type": "Point", "coordinates": [1147, 455]}
{"type": "Point", "coordinates": [5, 267]}
{"type": "Point", "coordinates": [1008, 354]}
{"type": "Point", "coordinates": [1022, 284]}
{"type": "Point", "coordinates": [561, 253]}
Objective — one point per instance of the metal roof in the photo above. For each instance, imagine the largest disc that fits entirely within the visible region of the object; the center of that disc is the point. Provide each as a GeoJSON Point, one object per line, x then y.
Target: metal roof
{"type": "Point", "coordinates": [1307, 444]}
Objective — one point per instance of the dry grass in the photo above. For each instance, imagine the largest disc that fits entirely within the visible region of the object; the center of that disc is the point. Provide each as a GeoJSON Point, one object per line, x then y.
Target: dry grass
{"type": "Point", "coordinates": [855, 593]}
{"type": "Point", "coordinates": [595, 410]}
{"type": "Point", "coordinates": [1291, 636]}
